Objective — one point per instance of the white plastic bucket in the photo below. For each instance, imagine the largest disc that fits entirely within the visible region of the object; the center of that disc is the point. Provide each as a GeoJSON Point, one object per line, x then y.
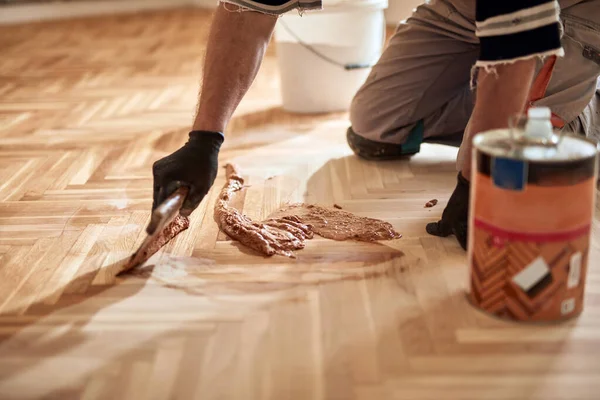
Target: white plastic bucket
{"type": "Point", "coordinates": [314, 51]}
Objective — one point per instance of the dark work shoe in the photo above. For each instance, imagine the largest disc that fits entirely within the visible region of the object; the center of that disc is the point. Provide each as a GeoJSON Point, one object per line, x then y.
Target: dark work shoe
{"type": "Point", "coordinates": [372, 150]}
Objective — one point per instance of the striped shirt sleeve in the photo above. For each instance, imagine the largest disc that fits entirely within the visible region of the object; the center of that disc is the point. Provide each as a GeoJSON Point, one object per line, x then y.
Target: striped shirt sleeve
{"type": "Point", "coordinates": [511, 30]}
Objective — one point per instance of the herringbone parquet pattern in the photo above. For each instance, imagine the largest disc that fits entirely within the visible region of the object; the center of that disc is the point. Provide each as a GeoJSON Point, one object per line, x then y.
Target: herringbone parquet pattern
{"type": "Point", "coordinates": [87, 105]}
{"type": "Point", "coordinates": [495, 265]}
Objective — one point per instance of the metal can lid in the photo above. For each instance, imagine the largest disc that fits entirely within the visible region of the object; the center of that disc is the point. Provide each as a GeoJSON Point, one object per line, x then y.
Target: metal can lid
{"type": "Point", "coordinates": [501, 143]}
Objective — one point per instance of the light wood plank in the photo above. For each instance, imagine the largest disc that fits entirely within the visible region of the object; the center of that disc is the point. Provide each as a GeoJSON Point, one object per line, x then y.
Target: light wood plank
{"type": "Point", "coordinates": [87, 105]}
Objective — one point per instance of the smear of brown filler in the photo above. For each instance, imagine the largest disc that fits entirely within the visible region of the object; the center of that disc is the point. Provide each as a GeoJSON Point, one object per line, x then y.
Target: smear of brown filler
{"type": "Point", "coordinates": [175, 227]}
{"type": "Point", "coordinates": [431, 203]}
{"type": "Point", "coordinates": [272, 236]}
{"type": "Point", "coordinates": [178, 225]}
{"type": "Point", "coordinates": [337, 206]}
{"type": "Point", "coordinates": [341, 225]}
{"type": "Point", "coordinates": [287, 229]}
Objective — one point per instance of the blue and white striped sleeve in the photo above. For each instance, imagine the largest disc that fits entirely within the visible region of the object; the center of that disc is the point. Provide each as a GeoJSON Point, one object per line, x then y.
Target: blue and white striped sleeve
{"type": "Point", "coordinates": [512, 30]}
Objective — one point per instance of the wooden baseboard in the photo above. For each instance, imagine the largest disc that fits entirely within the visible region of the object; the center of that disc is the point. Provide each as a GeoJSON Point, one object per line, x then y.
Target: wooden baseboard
{"type": "Point", "coordinates": [56, 10]}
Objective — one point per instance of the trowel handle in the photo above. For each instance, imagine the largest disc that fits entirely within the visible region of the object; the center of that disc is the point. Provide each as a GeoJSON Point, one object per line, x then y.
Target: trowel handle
{"type": "Point", "coordinates": [167, 210]}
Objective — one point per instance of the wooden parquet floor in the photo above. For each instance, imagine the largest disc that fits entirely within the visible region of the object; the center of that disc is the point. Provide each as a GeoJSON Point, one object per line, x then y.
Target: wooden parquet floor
{"type": "Point", "coordinates": [87, 105]}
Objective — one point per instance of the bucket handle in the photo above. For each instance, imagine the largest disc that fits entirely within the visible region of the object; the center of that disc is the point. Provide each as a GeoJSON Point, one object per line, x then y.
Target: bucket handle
{"type": "Point", "coordinates": [347, 67]}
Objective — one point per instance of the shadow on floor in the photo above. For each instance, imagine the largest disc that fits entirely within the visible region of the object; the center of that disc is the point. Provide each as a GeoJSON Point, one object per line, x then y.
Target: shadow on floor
{"type": "Point", "coordinates": [12, 324]}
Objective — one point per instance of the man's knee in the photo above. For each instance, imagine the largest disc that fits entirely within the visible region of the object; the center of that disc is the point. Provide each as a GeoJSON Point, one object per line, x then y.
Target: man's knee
{"type": "Point", "coordinates": [379, 116]}
{"type": "Point", "coordinates": [370, 149]}
{"type": "Point", "coordinates": [372, 118]}
{"type": "Point", "coordinates": [362, 117]}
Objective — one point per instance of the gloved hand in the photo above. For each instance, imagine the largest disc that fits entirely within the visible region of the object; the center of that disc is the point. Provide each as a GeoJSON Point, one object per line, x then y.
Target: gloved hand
{"type": "Point", "coordinates": [455, 216]}
{"type": "Point", "coordinates": [194, 165]}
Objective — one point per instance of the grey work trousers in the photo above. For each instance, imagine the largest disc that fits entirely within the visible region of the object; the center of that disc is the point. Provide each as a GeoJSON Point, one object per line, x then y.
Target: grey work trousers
{"type": "Point", "coordinates": [423, 76]}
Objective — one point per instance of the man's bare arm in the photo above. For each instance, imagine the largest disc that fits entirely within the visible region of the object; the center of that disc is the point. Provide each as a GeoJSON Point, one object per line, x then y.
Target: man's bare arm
{"type": "Point", "coordinates": [501, 93]}
{"type": "Point", "coordinates": [236, 46]}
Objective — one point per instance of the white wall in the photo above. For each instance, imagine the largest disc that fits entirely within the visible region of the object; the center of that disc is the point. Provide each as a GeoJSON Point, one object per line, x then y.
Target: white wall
{"type": "Point", "coordinates": [399, 10]}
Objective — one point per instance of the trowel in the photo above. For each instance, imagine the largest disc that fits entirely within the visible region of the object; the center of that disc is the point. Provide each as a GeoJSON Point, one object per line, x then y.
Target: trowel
{"type": "Point", "coordinates": [165, 223]}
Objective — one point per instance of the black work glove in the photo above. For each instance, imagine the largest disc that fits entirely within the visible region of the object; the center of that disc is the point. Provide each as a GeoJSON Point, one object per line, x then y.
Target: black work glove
{"type": "Point", "coordinates": [194, 165]}
{"type": "Point", "coordinates": [455, 218]}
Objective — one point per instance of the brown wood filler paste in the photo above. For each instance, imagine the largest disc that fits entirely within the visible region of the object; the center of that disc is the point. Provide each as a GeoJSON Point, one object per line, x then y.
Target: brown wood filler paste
{"type": "Point", "coordinates": [175, 227]}
{"type": "Point", "coordinates": [431, 203]}
{"type": "Point", "coordinates": [287, 229]}
{"type": "Point", "coordinates": [178, 225]}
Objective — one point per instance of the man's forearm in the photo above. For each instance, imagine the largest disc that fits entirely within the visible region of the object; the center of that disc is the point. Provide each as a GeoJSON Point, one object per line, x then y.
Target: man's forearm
{"type": "Point", "coordinates": [501, 94]}
{"type": "Point", "coordinates": [508, 30]}
{"type": "Point", "coordinates": [236, 46]}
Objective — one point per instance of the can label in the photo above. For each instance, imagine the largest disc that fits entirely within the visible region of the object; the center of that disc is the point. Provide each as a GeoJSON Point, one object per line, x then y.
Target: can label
{"type": "Point", "coordinates": [529, 241]}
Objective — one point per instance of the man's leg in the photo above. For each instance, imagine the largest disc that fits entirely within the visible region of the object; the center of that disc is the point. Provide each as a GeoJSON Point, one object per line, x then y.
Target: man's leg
{"type": "Point", "coordinates": [588, 122]}
{"type": "Point", "coordinates": [419, 90]}
{"type": "Point", "coordinates": [235, 50]}
{"type": "Point", "coordinates": [573, 90]}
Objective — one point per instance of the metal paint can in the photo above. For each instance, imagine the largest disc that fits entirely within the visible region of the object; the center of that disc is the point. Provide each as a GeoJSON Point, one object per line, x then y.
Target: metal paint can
{"type": "Point", "coordinates": [531, 212]}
